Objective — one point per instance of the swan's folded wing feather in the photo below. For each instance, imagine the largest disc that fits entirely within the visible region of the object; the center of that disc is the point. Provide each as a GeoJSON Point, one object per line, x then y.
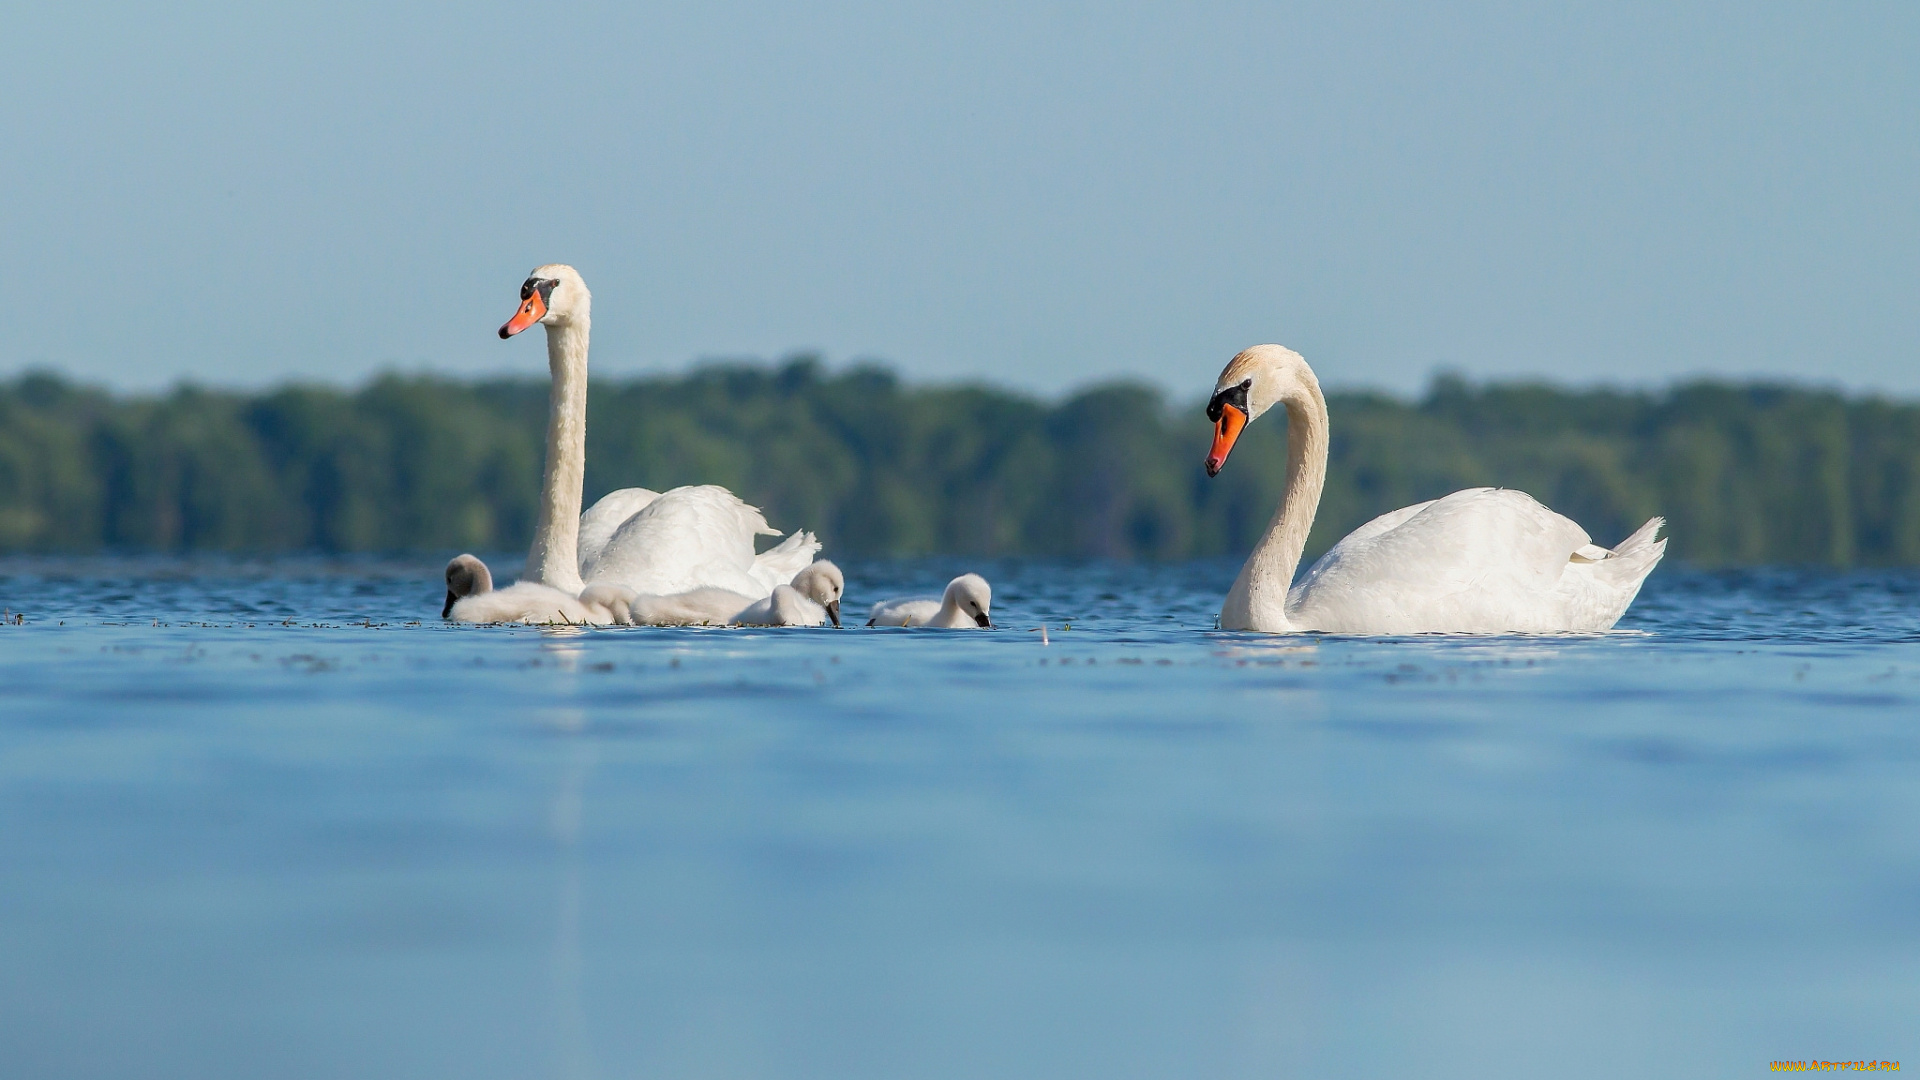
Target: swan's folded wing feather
{"type": "Point", "coordinates": [686, 538]}
{"type": "Point", "coordinates": [1484, 558]}
{"type": "Point", "coordinates": [1392, 519]}
{"type": "Point", "coordinates": [777, 565]}
{"type": "Point", "coordinates": [604, 518]}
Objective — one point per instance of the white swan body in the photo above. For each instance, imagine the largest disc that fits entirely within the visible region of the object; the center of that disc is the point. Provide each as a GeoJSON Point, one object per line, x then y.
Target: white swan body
{"type": "Point", "coordinates": [688, 538]}
{"type": "Point", "coordinates": [967, 602]}
{"type": "Point", "coordinates": [815, 598]}
{"type": "Point", "coordinates": [1479, 561]}
{"type": "Point", "coordinates": [812, 599]}
{"type": "Point", "coordinates": [603, 519]}
{"type": "Point", "coordinates": [683, 539]}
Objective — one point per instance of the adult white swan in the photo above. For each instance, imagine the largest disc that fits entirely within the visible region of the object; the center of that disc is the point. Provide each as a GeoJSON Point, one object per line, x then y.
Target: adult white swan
{"type": "Point", "coordinates": [654, 544]}
{"type": "Point", "coordinates": [1480, 561]}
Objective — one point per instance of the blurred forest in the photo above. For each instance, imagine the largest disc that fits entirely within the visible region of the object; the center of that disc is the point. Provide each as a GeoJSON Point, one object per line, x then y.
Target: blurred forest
{"type": "Point", "coordinates": [1746, 474]}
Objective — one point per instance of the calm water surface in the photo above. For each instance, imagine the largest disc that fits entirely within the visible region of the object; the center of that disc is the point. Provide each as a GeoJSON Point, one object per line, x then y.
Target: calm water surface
{"type": "Point", "coordinates": [273, 819]}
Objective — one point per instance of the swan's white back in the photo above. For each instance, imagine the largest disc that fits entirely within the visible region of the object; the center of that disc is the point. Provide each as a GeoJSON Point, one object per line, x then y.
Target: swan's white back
{"type": "Point", "coordinates": [1483, 560]}
{"type": "Point", "coordinates": [694, 537]}
{"type": "Point", "coordinates": [603, 519]}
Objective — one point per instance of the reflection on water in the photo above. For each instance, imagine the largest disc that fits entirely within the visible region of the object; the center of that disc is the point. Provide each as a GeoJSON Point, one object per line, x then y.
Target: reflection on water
{"type": "Point", "coordinates": [575, 1057]}
{"type": "Point", "coordinates": [276, 819]}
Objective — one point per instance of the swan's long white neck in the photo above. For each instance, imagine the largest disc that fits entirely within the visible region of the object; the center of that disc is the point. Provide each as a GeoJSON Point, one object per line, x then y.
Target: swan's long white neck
{"type": "Point", "coordinates": [1258, 599]}
{"type": "Point", "coordinates": [554, 558]}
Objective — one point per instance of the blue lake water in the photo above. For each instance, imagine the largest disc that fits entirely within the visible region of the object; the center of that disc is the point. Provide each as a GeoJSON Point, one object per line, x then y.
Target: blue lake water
{"type": "Point", "coordinates": [273, 819]}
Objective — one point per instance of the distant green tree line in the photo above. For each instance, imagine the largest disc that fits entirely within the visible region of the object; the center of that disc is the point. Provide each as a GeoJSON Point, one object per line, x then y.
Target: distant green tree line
{"type": "Point", "coordinates": [1746, 474]}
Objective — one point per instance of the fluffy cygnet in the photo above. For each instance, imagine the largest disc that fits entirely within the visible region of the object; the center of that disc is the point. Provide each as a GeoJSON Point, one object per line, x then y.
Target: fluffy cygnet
{"type": "Point", "coordinates": [968, 602]}
{"type": "Point", "coordinates": [708, 606]}
{"type": "Point", "coordinates": [813, 598]}
{"type": "Point", "coordinates": [472, 598]}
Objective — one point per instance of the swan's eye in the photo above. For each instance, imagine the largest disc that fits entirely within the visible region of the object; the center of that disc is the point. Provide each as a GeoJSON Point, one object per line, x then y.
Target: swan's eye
{"type": "Point", "coordinates": [1235, 396]}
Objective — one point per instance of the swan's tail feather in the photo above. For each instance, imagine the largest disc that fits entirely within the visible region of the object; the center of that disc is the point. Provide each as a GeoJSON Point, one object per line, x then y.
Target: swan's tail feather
{"type": "Point", "coordinates": [1633, 560]}
{"type": "Point", "coordinates": [777, 565]}
{"type": "Point", "coordinates": [1643, 537]}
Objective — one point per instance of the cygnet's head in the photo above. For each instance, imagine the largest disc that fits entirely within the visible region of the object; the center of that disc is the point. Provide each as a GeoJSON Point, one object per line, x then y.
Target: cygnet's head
{"type": "Point", "coordinates": [822, 583]}
{"type": "Point", "coordinates": [466, 576]}
{"type": "Point", "coordinates": [974, 597]}
{"type": "Point", "coordinates": [1253, 382]}
{"type": "Point", "coordinates": [553, 295]}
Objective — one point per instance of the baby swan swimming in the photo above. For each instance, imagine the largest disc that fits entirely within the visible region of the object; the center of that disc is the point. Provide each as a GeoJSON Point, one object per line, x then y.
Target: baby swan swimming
{"type": "Point", "coordinates": [813, 598]}
{"type": "Point", "coordinates": [708, 606]}
{"type": "Point", "coordinates": [968, 601]}
{"type": "Point", "coordinates": [472, 598]}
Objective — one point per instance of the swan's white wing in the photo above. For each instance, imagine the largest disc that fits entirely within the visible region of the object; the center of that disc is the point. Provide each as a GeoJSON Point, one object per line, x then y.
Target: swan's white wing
{"type": "Point", "coordinates": [1481, 560]}
{"type": "Point", "coordinates": [686, 538]}
{"type": "Point", "coordinates": [1392, 519]}
{"type": "Point", "coordinates": [777, 565]}
{"type": "Point", "coordinates": [604, 518]}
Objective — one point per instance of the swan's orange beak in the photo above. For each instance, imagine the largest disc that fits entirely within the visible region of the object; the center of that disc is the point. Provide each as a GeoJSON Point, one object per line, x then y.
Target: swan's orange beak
{"type": "Point", "coordinates": [1225, 431]}
{"type": "Point", "coordinates": [532, 310]}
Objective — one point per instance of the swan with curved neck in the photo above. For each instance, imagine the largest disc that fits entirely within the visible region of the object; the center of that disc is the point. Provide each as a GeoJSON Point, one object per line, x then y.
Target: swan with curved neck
{"type": "Point", "coordinates": [1483, 560]}
{"type": "Point", "coordinates": [701, 536]}
{"type": "Point", "coordinates": [555, 297]}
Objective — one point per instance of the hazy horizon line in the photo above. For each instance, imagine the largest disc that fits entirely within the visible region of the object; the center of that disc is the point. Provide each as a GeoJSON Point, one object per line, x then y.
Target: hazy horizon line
{"type": "Point", "coordinates": [831, 368]}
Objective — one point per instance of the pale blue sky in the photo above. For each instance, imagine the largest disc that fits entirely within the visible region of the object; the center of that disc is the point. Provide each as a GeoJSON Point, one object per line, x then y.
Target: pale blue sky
{"type": "Point", "coordinates": [1036, 194]}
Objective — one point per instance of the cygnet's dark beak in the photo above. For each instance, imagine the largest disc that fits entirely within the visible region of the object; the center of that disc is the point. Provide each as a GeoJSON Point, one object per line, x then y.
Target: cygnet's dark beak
{"type": "Point", "coordinates": [982, 620]}
{"type": "Point", "coordinates": [833, 612]}
{"type": "Point", "coordinates": [448, 606]}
